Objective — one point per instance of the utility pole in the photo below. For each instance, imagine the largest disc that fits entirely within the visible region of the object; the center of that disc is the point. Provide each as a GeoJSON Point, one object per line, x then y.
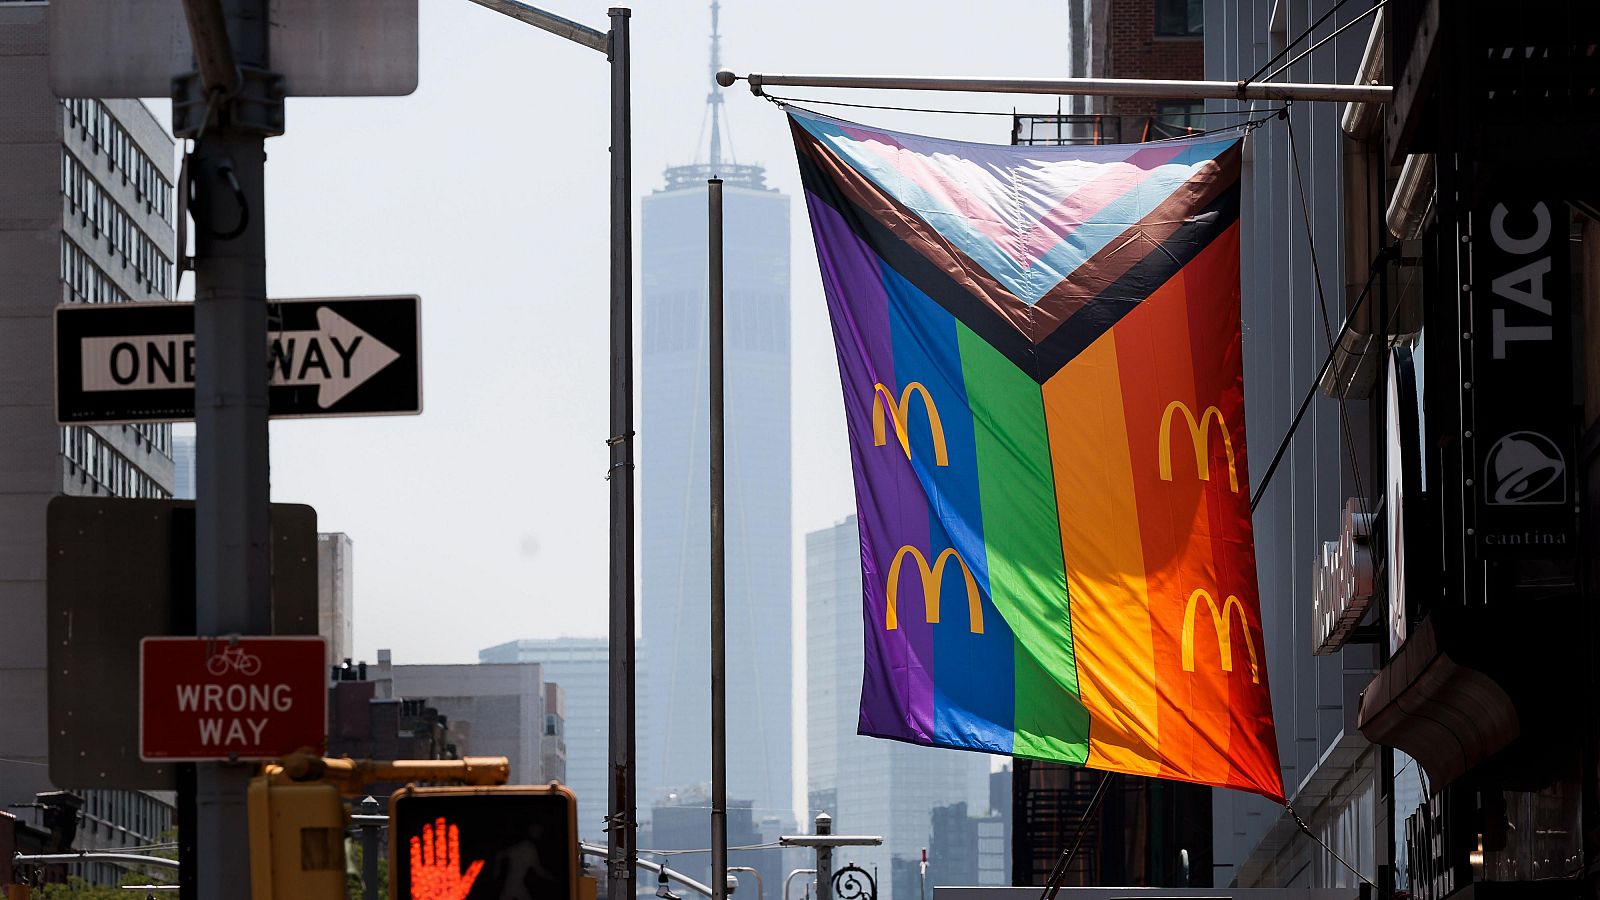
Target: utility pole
{"type": "Point", "coordinates": [229, 106]}
{"type": "Point", "coordinates": [622, 850]}
{"type": "Point", "coordinates": [622, 824]}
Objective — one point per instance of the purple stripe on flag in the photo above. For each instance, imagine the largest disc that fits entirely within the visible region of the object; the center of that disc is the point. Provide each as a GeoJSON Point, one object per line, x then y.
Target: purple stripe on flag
{"type": "Point", "coordinates": [897, 681]}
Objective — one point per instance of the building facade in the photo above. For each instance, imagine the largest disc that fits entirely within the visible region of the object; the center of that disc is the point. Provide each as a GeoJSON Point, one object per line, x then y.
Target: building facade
{"type": "Point", "coordinates": [870, 785]}
{"type": "Point", "coordinates": [1159, 39]}
{"type": "Point", "coordinates": [183, 466]}
{"type": "Point", "coordinates": [674, 573]}
{"type": "Point", "coordinates": [581, 666]}
{"type": "Point", "coordinates": [491, 709]}
{"type": "Point", "coordinates": [1332, 774]}
{"type": "Point", "coordinates": [336, 594]}
{"type": "Point", "coordinates": [86, 194]}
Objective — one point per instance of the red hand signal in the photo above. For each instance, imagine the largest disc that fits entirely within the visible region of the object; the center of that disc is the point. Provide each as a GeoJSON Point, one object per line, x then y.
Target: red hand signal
{"type": "Point", "coordinates": [436, 861]}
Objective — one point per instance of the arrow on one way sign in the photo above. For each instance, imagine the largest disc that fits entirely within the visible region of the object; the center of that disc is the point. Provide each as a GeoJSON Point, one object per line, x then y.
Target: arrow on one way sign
{"type": "Point", "coordinates": [337, 357]}
{"type": "Point", "coordinates": [137, 361]}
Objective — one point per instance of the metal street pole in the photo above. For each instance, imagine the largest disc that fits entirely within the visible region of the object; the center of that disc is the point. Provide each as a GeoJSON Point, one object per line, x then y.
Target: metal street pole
{"type": "Point", "coordinates": [622, 851]}
{"type": "Point", "coordinates": [232, 544]}
{"type": "Point", "coordinates": [824, 826]}
{"type": "Point", "coordinates": [719, 655]}
{"type": "Point", "coordinates": [621, 829]}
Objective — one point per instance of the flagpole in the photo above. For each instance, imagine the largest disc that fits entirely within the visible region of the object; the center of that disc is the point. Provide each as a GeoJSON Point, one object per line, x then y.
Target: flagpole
{"type": "Point", "coordinates": [1089, 87]}
{"type": "Point", "coordinates": [719, 656]}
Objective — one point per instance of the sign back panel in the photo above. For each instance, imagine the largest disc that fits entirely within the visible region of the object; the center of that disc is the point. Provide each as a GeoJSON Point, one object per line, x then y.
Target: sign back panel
{"type": "Point", "coordinates": [119, 571]}
{"type": "Point", "coordinates": [133, 48]}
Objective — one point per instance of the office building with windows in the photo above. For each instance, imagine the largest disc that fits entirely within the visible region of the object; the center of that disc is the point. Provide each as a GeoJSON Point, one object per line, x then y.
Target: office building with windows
{"type": "Point", "coordinates": [674, 574]}
{"type": "Point", "coordinates": [871, 785]}
{"type": "Point", "coordinates": [86, 216]}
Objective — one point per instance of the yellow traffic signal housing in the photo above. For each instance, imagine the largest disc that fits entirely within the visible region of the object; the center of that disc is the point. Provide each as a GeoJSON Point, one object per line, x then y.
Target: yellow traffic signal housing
{"type": "Point", "coordinates": [457, 842]}
{"type": "Point", "coordinates": [296, 840]}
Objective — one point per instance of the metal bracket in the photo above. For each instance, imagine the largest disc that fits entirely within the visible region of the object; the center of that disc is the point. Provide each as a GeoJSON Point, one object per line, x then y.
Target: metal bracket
{"type": "Point", "coordinates": [256, 108]}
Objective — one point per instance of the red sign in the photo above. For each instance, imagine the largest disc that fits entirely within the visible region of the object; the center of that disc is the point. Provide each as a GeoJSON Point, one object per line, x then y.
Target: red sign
{"type": "Point", "coordinates": [253, 698]}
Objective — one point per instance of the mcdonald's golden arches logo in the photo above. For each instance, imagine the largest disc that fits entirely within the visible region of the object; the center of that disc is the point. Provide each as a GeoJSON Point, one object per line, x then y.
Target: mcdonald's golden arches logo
{"type": "Point", "coordinates": [932, 578]}
{"type": "Point", "coordinates": [899, 415]}
{"type": "Point", "coordinates": [1222, 622]}
{"type": "Point", "coordinates": [1200, 436]}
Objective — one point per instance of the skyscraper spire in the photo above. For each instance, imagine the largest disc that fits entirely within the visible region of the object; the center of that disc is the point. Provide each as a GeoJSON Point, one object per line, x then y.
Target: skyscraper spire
{"type": "Point", "coordinates": [714, 98]}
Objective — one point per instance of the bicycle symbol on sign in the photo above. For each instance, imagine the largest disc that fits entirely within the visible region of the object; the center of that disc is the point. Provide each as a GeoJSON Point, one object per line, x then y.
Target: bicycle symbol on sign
{"type": "Point", "coordinates": [234, 657]}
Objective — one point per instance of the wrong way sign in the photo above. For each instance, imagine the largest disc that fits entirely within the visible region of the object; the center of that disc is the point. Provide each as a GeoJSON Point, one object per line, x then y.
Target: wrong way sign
{"type": "Point", "coordinates": [130, 362]}
{"type": "Point", "coordinates": [243, 698]}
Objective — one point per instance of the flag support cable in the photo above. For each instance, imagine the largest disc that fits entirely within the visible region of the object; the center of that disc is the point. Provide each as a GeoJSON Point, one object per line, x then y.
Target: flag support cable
{"type": "Point", "coordinates": [1052, 887]}
{"type": "Point", "coordinates": [1090, 87]}
{"type": "Point", "coordinates": [1277, 457]}
{"type": "Point", "coordinates": [1322, 301]}
{"type": "Point", "coordinates": [1314, 47]}
{"type": "Point", "coordinates": [1296, 42]}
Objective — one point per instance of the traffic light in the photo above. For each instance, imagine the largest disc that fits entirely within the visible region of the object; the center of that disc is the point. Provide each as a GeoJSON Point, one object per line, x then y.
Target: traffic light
{"type": "Point", "coordinates": [296, 840]}
{"type": "Point", "coordinates": [457, 843]}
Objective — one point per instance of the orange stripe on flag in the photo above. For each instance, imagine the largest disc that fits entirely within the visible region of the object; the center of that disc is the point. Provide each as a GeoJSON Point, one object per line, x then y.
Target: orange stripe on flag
{"type": "Point", "coordinates": [1104, 559]}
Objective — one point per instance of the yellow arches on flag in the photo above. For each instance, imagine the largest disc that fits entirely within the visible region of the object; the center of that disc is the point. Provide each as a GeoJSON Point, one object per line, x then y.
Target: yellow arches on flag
{"type": "Point", "coordinates": [900, 413]}
{"type": "Point", "coordinates": [931, 580]}
{"type": "Point", "coordinates": [1200, 436]}
{"type": "Point", "coordinates": [1222, 621]}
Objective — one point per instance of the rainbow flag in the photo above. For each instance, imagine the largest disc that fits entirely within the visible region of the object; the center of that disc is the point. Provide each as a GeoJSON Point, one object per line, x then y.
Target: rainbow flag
{"type": "Point", "coordinates": [1039, 348]}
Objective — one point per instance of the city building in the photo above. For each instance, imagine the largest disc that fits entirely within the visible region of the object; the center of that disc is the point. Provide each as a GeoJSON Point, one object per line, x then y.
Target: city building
{"type": "Point", "coordinates": [674, 565]}
{"type": "Point", "coordinates": [678, 822]}
{"type": "Point", "coordinates": [552, 737]}
{"type": "Point", "coordinates": [581, 666]}
{"type": "Point", "coordinates": [869, 785]}
{"type": "Point", "coordinates": [367, 721]}
{"type": "Point", "coordinates": [183, 466]}
{"type": "Point", "coordinates": [1150, 39]}
{"type": "Point", "coordinates": [1440, 741]}
{"type": "Point", "coordinates": [86, 195]}
{"type": "Point", "coordinates": [336, 594]}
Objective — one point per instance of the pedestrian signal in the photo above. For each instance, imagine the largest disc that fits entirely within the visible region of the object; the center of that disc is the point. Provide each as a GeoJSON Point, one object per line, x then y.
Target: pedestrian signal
{"type": "Point", "coordinates": [462, 843]}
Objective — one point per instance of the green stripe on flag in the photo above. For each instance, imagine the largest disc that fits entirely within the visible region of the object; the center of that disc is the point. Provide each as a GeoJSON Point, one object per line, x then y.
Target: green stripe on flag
{"type": "Point", "coordinates": [1027, 577]}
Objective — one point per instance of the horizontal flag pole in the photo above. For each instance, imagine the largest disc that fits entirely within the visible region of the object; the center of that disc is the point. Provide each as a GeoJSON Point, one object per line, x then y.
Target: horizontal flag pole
{"type": "Point", "coordinates": [1091, 87]}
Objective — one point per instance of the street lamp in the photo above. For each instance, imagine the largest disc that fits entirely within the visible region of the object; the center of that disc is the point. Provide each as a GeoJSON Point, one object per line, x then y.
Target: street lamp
{"type": "Point", "coordinates": [622, 849]}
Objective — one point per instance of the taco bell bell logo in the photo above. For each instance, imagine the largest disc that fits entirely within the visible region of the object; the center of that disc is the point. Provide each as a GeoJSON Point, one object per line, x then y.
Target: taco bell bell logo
{"type": "Point", "coordinates": [1524, 468]}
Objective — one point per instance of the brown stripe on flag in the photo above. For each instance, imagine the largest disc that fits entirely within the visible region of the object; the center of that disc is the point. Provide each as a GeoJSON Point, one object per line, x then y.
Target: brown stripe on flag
{"type": "Point", "coordinates": [1089, 281]}
{"type": "Point", "coordinates": [917, 234]}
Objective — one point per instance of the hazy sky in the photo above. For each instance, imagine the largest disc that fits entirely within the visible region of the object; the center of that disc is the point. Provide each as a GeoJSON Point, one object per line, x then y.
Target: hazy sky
{"type": "Point", "coordinates": [485, 192]}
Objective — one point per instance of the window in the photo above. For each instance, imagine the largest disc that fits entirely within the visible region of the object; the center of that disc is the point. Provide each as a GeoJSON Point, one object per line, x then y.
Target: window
{"type": "Point", "coordinates": [1175, 118]}
{"type": "Point", "coordinates": [1180, 18]}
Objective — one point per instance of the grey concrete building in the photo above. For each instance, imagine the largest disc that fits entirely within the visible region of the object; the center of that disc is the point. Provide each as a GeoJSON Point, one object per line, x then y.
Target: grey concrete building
{"type": "Point", "coordinates": [869, 785]}
{"type": "Point", "coordinates": [336, 594]}
{"type": "Point", "coordinates": [86, 194]}
{"type": "Point", "coordinates": [493, 709]}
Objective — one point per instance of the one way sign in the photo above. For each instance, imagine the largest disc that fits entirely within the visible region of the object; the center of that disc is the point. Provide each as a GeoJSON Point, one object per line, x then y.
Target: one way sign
{"type": "Point", "coordinates": [131, 362]}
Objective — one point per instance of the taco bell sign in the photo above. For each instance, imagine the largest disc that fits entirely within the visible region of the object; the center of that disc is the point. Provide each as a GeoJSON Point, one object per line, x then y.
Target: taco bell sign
{"type": "Point", "coordinates": [1521, 434]}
